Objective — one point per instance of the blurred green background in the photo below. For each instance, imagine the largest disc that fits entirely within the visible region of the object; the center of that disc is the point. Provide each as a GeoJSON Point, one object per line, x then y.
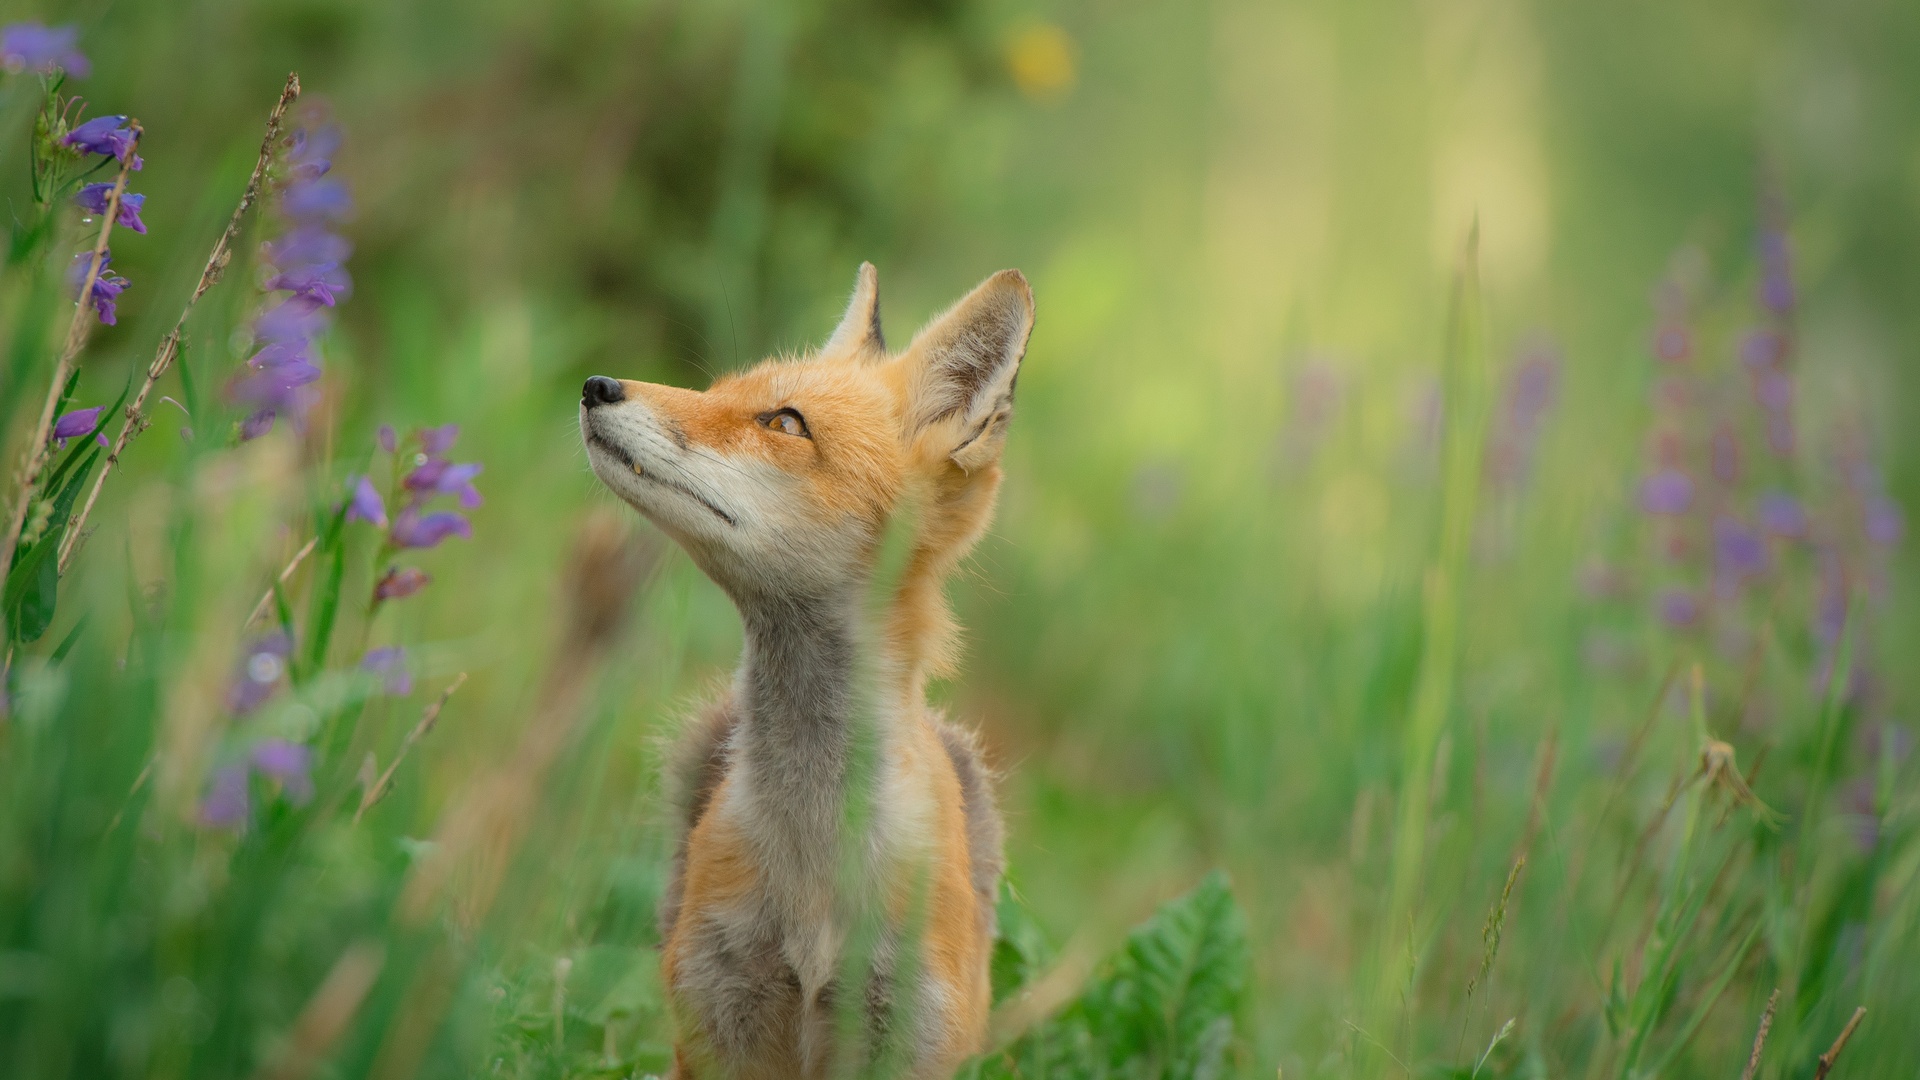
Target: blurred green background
{"type": "Point", "coordinates": [1196, 630]}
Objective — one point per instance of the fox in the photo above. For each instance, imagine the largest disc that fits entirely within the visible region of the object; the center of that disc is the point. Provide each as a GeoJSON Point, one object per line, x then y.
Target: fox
{"type": "Point", "coordinates": [781, 482]}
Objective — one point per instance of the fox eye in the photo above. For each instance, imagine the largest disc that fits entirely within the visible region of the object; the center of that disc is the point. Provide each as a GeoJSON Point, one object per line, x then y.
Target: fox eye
{"type": "Point", "coordinates": [786, 420]}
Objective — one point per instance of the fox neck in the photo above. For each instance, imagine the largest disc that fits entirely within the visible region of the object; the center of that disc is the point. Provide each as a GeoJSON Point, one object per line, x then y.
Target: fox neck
{"type": "Point", "coordinates": [801, 709]}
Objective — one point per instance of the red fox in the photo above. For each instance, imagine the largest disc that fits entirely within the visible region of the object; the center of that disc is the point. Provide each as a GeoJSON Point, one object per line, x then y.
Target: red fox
{"type": "Point", "coordinates": [781, 483]}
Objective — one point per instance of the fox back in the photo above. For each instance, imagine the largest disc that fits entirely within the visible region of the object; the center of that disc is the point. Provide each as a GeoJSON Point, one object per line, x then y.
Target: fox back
{"type": "Point", "coordinates": [781, 483]}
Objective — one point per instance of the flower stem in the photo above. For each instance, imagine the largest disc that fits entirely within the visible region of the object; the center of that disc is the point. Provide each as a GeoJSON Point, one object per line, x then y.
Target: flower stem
{"type": "Point", "coordinates": [170, 345]}
{"type": "Point", "coordinates": [77, 333]}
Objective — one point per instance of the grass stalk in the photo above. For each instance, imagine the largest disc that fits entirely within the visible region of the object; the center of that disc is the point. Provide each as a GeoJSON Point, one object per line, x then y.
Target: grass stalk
{"type": "Point", "coordinates": [1833, 1052]}
{"type": "Point", "coordinates": [1465, 379]}
{"type": "Point", "coordinates": [1760, 1036]}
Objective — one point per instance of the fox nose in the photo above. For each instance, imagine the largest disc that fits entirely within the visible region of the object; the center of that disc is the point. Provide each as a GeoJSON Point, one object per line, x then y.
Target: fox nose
{"type": "Point", "coordinates": [601, 390]}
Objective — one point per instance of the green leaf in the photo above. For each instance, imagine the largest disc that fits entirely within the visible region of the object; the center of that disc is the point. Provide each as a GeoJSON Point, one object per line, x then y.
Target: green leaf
{"type": "Point", "coordinates": [1020, 951]}
{"type": "Point", "coordinates": [1163, 1007]}
{"type": "Point", "coordinates": [73, 638]}
{"type": "Point", "coordinates": [31, 589]}
{"type": "Point", "coordinates": [326, 603]}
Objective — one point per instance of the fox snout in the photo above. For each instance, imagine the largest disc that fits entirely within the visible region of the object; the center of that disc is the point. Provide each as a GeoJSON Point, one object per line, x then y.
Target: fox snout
{"type": "Point", "coordinates": [601, 390]}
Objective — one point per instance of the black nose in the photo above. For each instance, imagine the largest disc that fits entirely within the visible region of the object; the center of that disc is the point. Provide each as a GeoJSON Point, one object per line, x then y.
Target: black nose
{"type": "Point", "coordinates": [601, 390]}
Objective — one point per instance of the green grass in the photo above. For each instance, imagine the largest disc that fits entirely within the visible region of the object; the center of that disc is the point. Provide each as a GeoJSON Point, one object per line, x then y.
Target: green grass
{"type": "Point", "coordinates": [1328, 746]}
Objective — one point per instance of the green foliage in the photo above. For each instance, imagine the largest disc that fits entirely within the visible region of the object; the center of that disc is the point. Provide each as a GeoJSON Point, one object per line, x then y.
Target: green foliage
{"type": "Point", "coordinates": [1164, 1007]}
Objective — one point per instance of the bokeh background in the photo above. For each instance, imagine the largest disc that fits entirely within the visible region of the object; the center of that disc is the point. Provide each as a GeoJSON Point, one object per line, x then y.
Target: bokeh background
{"type": "Point", "coordinates": [1198, 631]}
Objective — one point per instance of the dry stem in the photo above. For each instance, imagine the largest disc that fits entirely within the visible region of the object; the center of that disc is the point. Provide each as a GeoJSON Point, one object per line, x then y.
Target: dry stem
{"type": "Point", "coordinates": [379, 788]}
{"type": "Point", "coordinates": [1760, 1037]}
{"type": "Point", "coordinates": [1833, 1052]}
{"type": "Point", "coordinates": [266, 598]}
{"type": "Point", "coordinates": [170, 345]}
{"type": "Point", "coordinates": [328, 1012]}
{"type": "Point", "coordinates": [77, 332]}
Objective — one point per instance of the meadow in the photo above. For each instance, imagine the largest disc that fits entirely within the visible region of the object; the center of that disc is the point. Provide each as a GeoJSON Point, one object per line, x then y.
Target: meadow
{"type": "Point", "coordinates": [1443, 617]}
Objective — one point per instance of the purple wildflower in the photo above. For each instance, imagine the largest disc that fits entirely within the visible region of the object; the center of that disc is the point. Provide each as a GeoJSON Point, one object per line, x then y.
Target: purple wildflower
{"type": "Point", "coordinates": [1776, 272]}
{"type": "Point", "coordinates": [1738, 550]}
{"type": "Point", "coordinates": [31, 46]}
{"type": "Point", "coordinates": [77, 423]}
{"type": "Point", "coordinates": [1885, 523]}
{"type": "Point", "coordinates": [1530, 393]}
{"type": "Point", "coordinates": [257, 424]}
{"type": "Point", "coordinates": [288, 762]}
{"type": "Point", "coordinates": [307, 262]}
{"type": "Point", "coordinates": [260, 672]}
{"type": "Point", "coordinates": [1763, 349]}
{"type": "Point", "coordinates": [94, 198]}
{"type": "Point", "coordinates": [366, 505]}
{"type": "Point", "coordinates": [323, 283]}
{"type": "Point", "coordinates": [311, 156]}
{"type": "Point", "coordinates": [317, 200]}
{"type": "Point", "coordinates": [441, 477]}
{"type": "Point", "coordinates": [438, 440]}
{"type": "Point", "coordinates": [1781, 515]}
{"type": "Point", "coordinates": [1679, 609]}
{"type": "Point", "coordinates": [388, 440]}
{"type": "Point", "coordinates": [390, 665]}
{"type": "Point", "coordinates": [413, 529]}
{"type": "Point", "coordinates": [226, 803]}
{"type": "Point", "coordinates": [1668, 491]}
{"type": "Point", "coordinates": [295, 319]}
{"type": "Point", "coordinates": [1726, 456]}
{"type": "Point", "coordinates": [306, 245]}
{"type": "Point", "coordinates": [107, 285]}
{"type": "Point", "coordinates": [109, 136]}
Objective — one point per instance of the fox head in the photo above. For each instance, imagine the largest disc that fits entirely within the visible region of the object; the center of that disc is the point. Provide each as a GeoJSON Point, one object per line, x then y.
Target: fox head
{"type": "Point", "coordinates": [780, 480]}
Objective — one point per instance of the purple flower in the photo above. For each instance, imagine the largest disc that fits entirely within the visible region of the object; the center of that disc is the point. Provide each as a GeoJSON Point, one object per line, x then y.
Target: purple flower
{"type": "Point", "coordinates": [1668, 491]}
{"type": "Point", "coordinates": [1776, 272]}
{"type": "Point", "coordinates": [226, 804]}
{"type": "Point", "coordinates": [257, 424]}
{"type": "Point", "coordinates": [311, 155]}
{"type": "Point", "coordinates": [1738, 550]}
{"type": "Point", "coordinates": [30, 46]}
{"type": "Point", "coordinates": [400, 582]}
{"type": "Point", "coordinates": [1781, 515]}
{"type": "Point", "coordinates": [326, 283]}
{"type": "Point", "coordinates": [288, 762]}
{"type": "Point", "coordinates": [107, 285]}
{"type": "Point", "coordinates": [308, 245]}
{"type": "Point", "coordinates": [1672, 343]}
{"type": "Point", "coordinates": [366, 505]}
{"type": "Point", "coordinates": [441, 477]}
{"type": "Point", "coordinates": [94, 198]}
{"type": "Point", "coordinates": [261, 669]}
{"type": "Point", "coordinates": [297, 318]}
{"type": "Point", "coordinates": [390, 664]}
{"type": "Point", "coordinates": [413, 529]}
{"type": "Point", "coordinates": [388, 440]}
{"type": "Point", "coordinates": [106, 135]}
{"type": "Point", "coordinates": [1679, 609]}
{"type": "Point", "coordinates": [316, 200]}
{"type": "Point", "coordinates": [1773, 389]}
{"type": "Point", "coordinates": [1763, 349]}
{"type": "Point", "coordinates": [1885, 523]}
{"type": "Point", "coordinates": [77, 423]}
{"type": "Point", "coordinates": [436, 441]}
{"type": "Point", "coordinates": [275, 387]}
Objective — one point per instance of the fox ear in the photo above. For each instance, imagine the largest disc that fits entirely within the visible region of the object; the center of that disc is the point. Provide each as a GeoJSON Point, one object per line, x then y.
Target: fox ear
{"type": "Point", "coordinates": [962, 370]}
{"type": "Point", "coordinates": [859, 329]}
